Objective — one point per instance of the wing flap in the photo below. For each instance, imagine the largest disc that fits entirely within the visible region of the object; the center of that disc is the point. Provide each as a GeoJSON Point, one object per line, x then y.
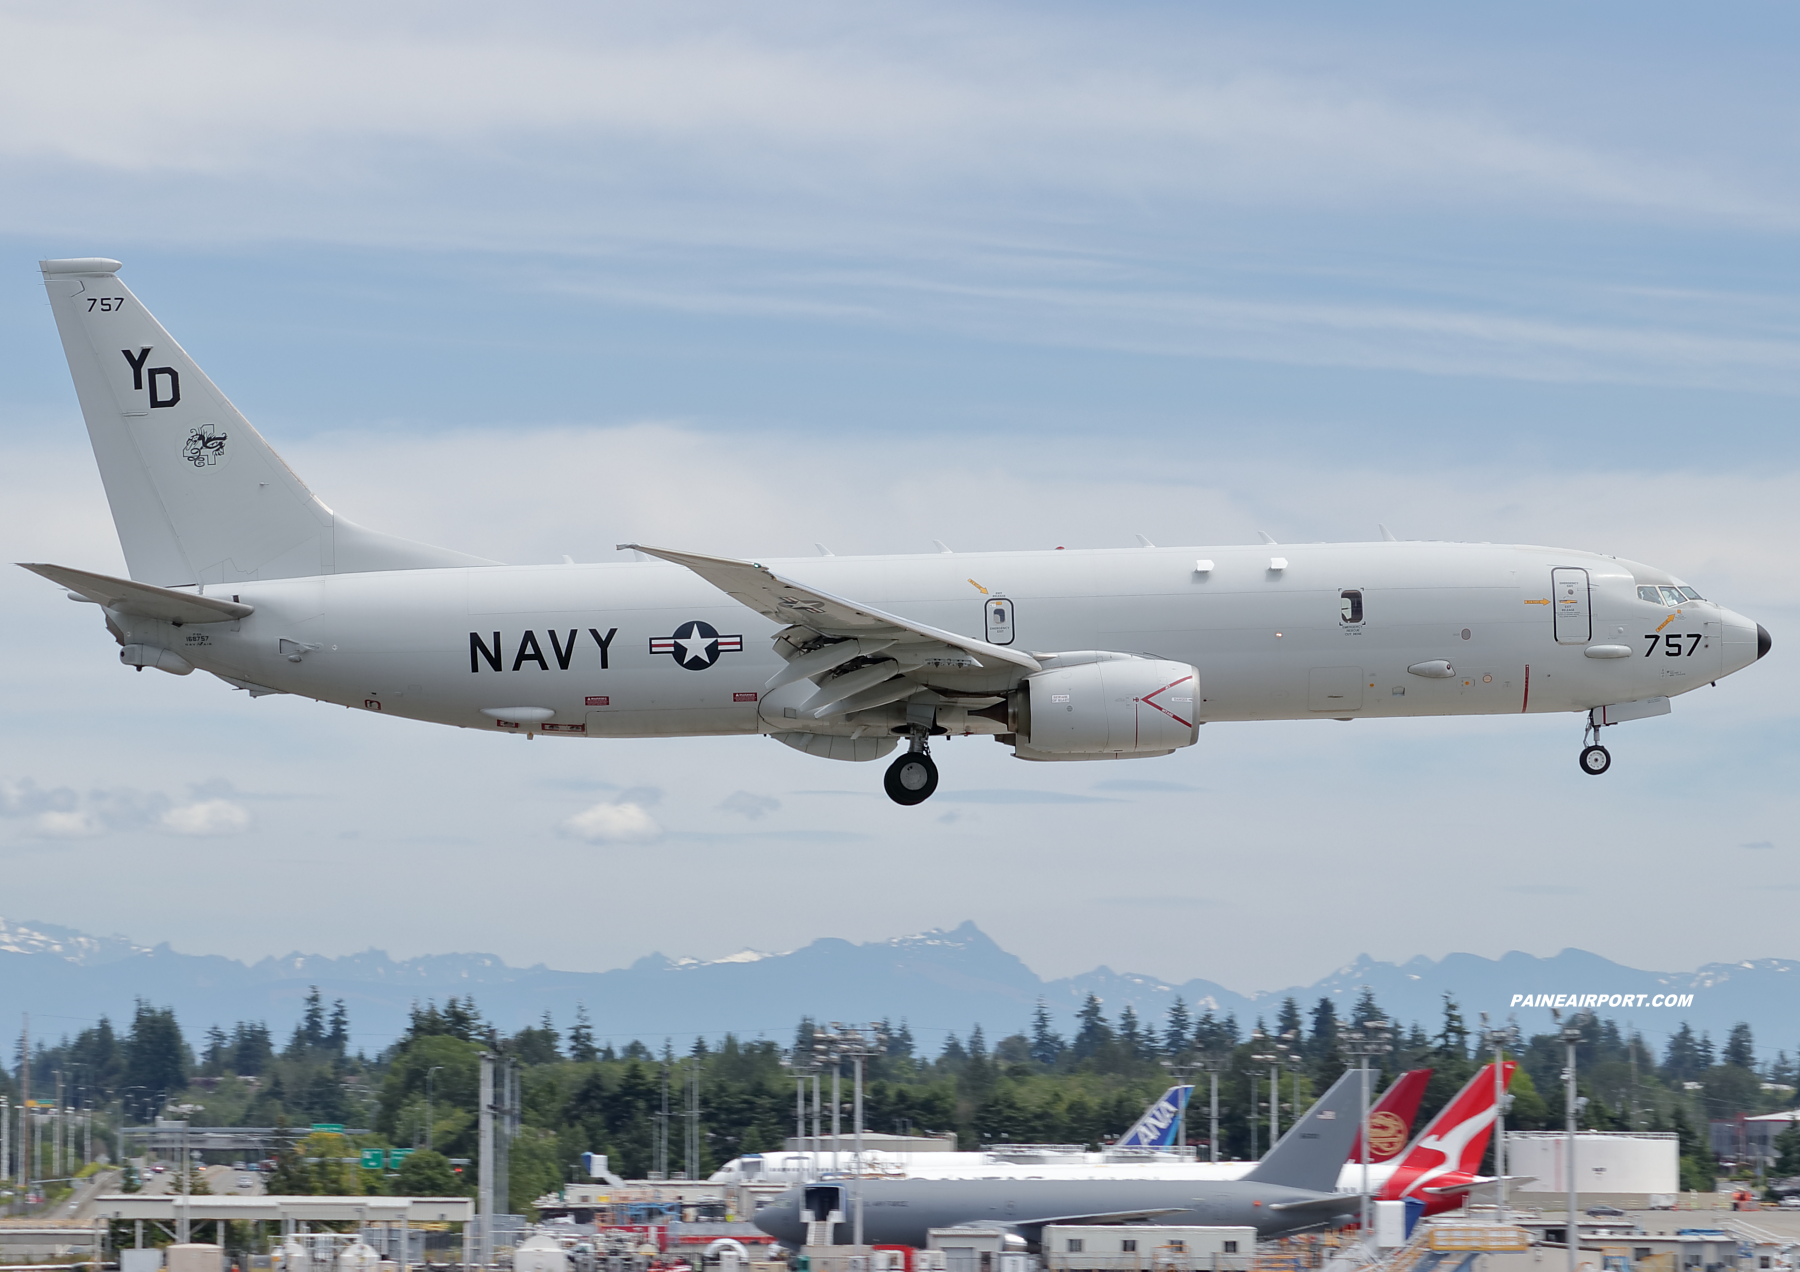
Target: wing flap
{"type": "Point", "coordinates": [145, 600]}
{"type": "Point", "coordinates": [786, 601]}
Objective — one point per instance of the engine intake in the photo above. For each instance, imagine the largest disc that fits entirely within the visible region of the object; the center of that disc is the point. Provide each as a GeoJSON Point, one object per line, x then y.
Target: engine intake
{"type": "Point", "coordinates": [1114, 707]}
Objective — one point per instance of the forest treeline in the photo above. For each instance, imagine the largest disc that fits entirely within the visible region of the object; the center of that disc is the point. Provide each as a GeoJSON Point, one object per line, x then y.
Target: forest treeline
{"type": "Point", "coordinates": [1034, 1086]}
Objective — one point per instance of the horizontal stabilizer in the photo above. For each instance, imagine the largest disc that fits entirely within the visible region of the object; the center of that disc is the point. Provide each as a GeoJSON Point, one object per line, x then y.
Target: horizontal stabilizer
{"type": "Point", "coordinates": [1327, 1204]}
{"type": "Point", "coordinates": [1481, 1185]}
{"type": "Point", "coordinates": [786, 601]}
{"type": "Point", "coordinates": [142, 599]}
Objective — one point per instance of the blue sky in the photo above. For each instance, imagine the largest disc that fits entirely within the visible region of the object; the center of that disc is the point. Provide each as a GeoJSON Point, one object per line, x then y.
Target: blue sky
{"type": "Point", "coordinates": [540, 282]}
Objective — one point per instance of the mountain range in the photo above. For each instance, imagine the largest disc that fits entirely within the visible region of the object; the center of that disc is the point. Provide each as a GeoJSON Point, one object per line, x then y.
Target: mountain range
{"type": "Point", "coordinates": [938, 981]}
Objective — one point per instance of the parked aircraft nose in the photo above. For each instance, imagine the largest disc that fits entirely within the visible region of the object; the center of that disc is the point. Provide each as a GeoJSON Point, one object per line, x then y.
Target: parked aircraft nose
{"type": "Point", "coordinates": [1762, 641]}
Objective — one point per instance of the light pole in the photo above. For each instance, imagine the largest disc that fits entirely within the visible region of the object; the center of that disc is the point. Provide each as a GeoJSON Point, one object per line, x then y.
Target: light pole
{"type": "Point", "coordinates": [1370, 1038]}
{"type": "Point", "coordinates": [857, 1044]}
{"type": "Point", "coordinates": [1211, 1063]}
{"type": "Point", "coordinates": [1572, 1038]}
{"type": "Point", "coordinates": [429, 1075]}
{"type": "Point", "coordinates": [1497, 1039]}
{"type": "Point", "coordinates": [1269, 1056]}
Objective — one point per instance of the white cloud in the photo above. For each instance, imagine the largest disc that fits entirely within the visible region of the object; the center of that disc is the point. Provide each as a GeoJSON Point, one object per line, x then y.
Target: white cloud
{"type": "Point", "coordinates": [612, 824]}
{"type": "Point", "coordinates": [206, 817]}
{"type": "Point", "coordinates": [71, 825]}
{"type": "Point", "coordinates": [750, 805]}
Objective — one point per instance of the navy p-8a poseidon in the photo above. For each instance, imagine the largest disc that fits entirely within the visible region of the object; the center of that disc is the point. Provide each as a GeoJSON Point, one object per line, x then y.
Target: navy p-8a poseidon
{"type": "Point", "coordinates": [238, 569]}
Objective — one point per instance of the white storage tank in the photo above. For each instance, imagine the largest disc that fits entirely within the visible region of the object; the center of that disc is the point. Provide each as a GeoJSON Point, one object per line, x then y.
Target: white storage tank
{"type": "Point", "coordinates": [1605, 1161]}
{"type": "Point", "coordinates": [540, 1254]}
{"type": "Point", "coordinates": [358, 1256]}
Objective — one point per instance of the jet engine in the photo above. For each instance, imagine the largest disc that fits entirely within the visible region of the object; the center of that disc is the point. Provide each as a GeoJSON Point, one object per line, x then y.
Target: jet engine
{"type": "Point", "coordinates": [1108, 707]}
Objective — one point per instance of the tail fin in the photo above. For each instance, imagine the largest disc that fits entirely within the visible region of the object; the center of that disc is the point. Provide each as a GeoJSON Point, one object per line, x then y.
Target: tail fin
{"type": "Point", "coordinates": [1312, 1153]}
{"type": "Point", "coordinates": [1455, 1140]}
{"type": "Point", "coordinates": [1391, 1120]}
{"type": "Point", "coordinates": [1156, 1129]}
{"type": "Point", "coordinates": [197, 495]}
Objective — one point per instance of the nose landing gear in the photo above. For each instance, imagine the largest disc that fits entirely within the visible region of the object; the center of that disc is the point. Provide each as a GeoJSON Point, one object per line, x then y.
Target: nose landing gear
{"type": "Point", "coordinates": [1595, 759]}
{"type": "Point", "coordinates": [914, 776]}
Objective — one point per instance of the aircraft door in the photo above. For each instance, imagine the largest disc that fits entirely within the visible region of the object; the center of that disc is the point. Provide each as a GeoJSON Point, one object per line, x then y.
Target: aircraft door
{"type": "Point", "coordinates": [1571, 607]}
{"type": "Point", "coordinates": [998, 612]}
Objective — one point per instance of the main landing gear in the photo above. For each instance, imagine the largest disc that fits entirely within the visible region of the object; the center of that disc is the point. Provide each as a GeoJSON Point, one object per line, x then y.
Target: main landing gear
{"type": "Point", "coordinates": [1595, 759]}
{"type": "Point", "coordinates": [914, 776]}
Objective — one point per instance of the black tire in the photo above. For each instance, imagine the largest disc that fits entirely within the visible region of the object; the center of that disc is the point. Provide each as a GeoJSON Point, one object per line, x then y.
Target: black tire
{"type": "Point", "coordinates": [911, 779]}
{"type": "Point", "coordinates": [1595, 760]}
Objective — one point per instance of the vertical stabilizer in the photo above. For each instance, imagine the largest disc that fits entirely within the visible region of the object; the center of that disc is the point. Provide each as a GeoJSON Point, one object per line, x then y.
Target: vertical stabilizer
{"type": "Point", "coordinates": [197, 495]}
{"type": "Point", "coordinates": [1311, 1154]}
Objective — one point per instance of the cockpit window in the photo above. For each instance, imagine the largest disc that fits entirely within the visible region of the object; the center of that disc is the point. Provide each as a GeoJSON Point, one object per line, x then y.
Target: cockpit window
{"type": "Point", "coordinates": [1673, 596]}
{"type": "Point", "coordinates": [1691, 594]}
{"type": "Point", "coordinates": [1651, 594]}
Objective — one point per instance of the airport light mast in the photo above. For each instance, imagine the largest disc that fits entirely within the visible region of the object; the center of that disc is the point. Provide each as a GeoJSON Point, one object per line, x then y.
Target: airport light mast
{"type": "Point", "coordinates": [1271, 1057]}
{"type": "Point", "coordinates": [1572, 1036]}
{"type": "Point", "coordinates": [1369, 1038]}
{"type": "Point", "coordinates": [1498, 1040]}
{"type": "Point", "coordinates": [857, 1043]}
{"type": "Point", "coordinates": [1212, 1063]}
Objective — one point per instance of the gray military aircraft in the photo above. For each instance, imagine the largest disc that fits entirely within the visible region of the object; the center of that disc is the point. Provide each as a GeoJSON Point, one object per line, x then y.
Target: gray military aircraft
{"type": "Point", "coordinates": [1290, 1190]}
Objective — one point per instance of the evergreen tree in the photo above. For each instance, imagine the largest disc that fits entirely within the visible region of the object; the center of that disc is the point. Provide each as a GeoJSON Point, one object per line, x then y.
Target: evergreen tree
{"type": "Point", "coordinates": [1705, 1051]}
{"type": "Point", "coordinates": [1453, 1038]}
{"type": "Point", "coordinates": [1787, 1151]}
{"type": "Point", "coordinates": [1287, 1020]}
{"type": "Point", "coordinates": [581, 1037]}
{"type": "Point", "coordinates": [1739, 1049]}
{"type": "Point", "coordinates": [977, 1044]}
{"type": "Point", "coordinates": [1092, 1032]}
{"type": "Point", "coordinates": [1131, 1035]}
{"type": "Point", "coordinates": [1322, 1043]}
{"type": "Point", "coordinates": [1046, 1043]}
{"type": "Point", "coordinates": [1365, 1009]}
{"type": "Point", "coordinates": [462, 1020]}
{"type": "Point", "coordinates": [156, 1057]}
{"type": "Point", "coordinates": [900, 1042]}
{"type": "Point", "coordinates": [953, 1054]}
{"type": "Point", "coordinates": [252, 1049]}
{"type": "Point", "coordinates": [1178, 1027]}
{"type": "Point", "coordinates": [337, 1033]}
{"type": "Point", "coordinates": [215, 1054]}
{"type": "Point", "coordinates": [1681, 1057]}
{"type": "Point", "coordinates": [309, 1034]}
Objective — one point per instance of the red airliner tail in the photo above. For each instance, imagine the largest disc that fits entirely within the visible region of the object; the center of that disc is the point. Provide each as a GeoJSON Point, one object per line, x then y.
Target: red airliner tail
{"type": "Point", "coordinates": [1391, 1120]}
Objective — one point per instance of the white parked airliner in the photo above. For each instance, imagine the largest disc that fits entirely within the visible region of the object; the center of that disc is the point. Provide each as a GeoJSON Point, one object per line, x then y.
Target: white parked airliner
{"type": "Point", "coordinates": [238, 569]}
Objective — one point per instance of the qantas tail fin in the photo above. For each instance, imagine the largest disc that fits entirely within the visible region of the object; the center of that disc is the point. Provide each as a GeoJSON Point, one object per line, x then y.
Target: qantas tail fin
{"type": "Point", "coordinates": [1454, 1141]}
{"type": "Point", "coordinates": [197, 495]}
{"type": "Point", "coordinates": [1158, 1126]}
{"type": "Point", "coordinates": [1391, 1120]}
{"type": "Point", "coordinates": [1311, 1154]}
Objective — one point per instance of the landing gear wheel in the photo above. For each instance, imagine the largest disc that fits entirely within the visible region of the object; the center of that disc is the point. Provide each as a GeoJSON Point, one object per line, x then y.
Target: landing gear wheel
{"type": "Point", "coordinates": [1595, 760]}
{"type": "Point", "coordinates": [911, 779]}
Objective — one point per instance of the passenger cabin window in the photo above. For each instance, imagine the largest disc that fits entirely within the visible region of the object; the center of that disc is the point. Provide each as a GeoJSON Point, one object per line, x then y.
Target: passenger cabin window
{"type": "Point", "coordinates": [1673, 596]}
{"type": "Point", "coordinates": [1691, 594]}
{"type": "Point", "coordinates": [1350, 605]}
{"type": "Point", "coordinates": [1651, 594]}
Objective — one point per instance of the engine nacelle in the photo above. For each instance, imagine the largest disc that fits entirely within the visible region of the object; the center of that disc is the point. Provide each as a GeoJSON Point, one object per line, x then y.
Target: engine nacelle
{"type": "Point", "coordinates": [1115, 706]}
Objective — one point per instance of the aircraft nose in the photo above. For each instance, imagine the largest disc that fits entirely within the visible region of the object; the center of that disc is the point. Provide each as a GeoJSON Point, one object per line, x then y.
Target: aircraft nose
{"type": "Point", "coordinates": [1762, 641]}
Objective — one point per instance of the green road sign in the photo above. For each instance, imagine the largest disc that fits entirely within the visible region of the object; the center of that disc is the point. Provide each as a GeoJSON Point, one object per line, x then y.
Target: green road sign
{"type": "Point", "coordinates": [396, 1156]}
{"type": "Point", "coordinates": [371, 1159]}
{"type": "Point", "coordinates": [328, 1126]}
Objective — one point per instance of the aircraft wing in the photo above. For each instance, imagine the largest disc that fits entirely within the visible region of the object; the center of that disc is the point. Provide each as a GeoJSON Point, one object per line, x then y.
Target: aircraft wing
{"type": "Point", "coordinates": [786, 601]}
{"type": "Point", "coordinates": [1326, 1202]}
{"type": "Point", "coordinates": [1475, 1185]}
{"type": "Point", "coordinates": [1111, 1216]}
{"type": "Point", "coordinates": [143, 599]}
